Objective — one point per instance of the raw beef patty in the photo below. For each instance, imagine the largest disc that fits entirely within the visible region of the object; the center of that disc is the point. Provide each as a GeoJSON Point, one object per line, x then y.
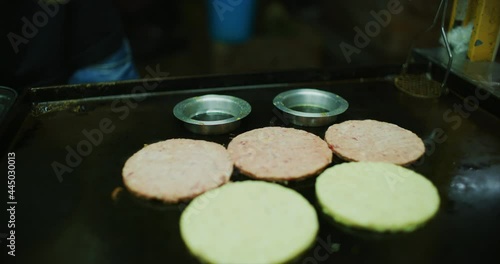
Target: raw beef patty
{"type": "Point", "coordinates": [277, 153]}
{"type": "Point", "coordinates": [370, 140]}
{"type": "Point", "coordinates": [177, 169]}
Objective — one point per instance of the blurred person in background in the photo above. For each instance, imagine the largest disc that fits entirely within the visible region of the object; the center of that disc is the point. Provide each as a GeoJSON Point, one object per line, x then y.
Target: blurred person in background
{"type": "Point", "coordinates": [53, 42]}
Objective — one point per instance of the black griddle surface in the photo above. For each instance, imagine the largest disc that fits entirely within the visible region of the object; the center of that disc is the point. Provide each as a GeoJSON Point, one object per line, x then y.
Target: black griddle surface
{"type": "Point", "coordinates": [77, 221]}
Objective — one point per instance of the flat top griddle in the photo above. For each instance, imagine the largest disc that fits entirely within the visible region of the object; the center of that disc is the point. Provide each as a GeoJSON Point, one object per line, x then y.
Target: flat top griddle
{"type": "Point", "coordinates": [73, 219]}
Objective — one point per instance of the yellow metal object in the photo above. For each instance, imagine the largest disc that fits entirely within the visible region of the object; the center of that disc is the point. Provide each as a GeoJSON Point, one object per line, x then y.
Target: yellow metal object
{"type": "Point", "coordinates": [484, 41]}
{"type": "Point", "coordinates": [453, 14]}
{"type": "Point", "coordinates": [471, 12]}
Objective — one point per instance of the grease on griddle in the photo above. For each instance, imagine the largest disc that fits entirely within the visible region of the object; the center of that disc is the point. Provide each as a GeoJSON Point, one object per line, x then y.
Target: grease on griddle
{"type": "Point", "coordinates": [116, 194]}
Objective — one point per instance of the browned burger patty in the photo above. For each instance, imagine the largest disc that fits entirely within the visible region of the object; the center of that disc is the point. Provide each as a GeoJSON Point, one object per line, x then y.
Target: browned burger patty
{"type": "Point", "coordinates": [371, 140]}
{"type": "Point", "coordinates": [277, 154]}
{"type": "Point", "coordinates": [177, 169]}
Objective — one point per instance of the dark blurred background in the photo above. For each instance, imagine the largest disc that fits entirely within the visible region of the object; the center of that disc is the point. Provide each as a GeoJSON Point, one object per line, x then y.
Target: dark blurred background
{"type": "Point", "coordinates": [287, 35]}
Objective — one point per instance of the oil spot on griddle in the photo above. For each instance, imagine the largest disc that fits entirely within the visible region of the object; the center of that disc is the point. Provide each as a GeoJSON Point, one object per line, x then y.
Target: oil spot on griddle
{"type": "Point", "coordinates": [476, 187]}
{"type": "Point", "coordinates": [116, 194]}
{"type": "Point", "coordinates": [335, 247]}
{"type": "Point", "coordinates": [471, 167]}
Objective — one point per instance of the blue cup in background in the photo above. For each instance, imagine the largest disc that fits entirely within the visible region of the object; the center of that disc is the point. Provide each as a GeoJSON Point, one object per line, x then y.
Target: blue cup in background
{"type": "Point", "coordinates": [231, 21]}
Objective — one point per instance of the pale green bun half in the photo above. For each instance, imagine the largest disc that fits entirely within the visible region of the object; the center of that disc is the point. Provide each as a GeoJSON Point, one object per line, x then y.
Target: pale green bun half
{"type": "Point", "coordinates": [249, 222]}
{"type": "Point", "coordinates": [380, 197]}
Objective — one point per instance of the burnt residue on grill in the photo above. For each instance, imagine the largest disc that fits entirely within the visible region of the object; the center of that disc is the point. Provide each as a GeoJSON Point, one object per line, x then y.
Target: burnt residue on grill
{"type": "Point", "coordinates": [73, 106]}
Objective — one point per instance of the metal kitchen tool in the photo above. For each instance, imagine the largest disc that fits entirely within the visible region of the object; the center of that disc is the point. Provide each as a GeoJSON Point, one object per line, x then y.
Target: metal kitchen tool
{"type": "Point", "coordinates": [310, 107]}
{"type": "Point", "coordinates": [422, 85]}
{"type": "Point", "coordinates": [212, 114]}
